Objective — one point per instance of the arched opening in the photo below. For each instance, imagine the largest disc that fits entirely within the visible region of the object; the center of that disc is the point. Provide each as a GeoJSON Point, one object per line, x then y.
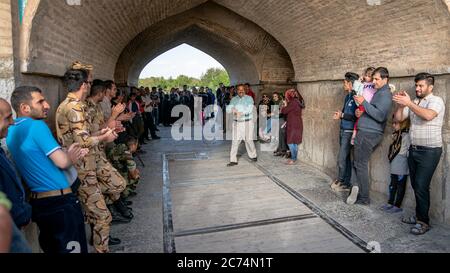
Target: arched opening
{"type": "Point", "coordinates": [257, 41]}
{"type": "Point", "coordinates": [184, 65]}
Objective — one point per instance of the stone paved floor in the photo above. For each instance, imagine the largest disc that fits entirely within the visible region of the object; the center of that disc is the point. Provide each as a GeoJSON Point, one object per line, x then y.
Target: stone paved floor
{"type": "Point", "coordinates": [145, 233]}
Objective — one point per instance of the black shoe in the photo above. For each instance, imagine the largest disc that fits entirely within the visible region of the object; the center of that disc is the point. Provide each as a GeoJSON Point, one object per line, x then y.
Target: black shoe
{"type": "Point", "coordinates": [114, 241]}
{"type": "Point", "coordinates": [231, 164]}
{"type": "Point", "coordinates": [132, 194]}
{"type": "Point", "coordinates": [117, 218]}
{"type": "Point", "coordinates": [123, 209]}
{"type": "Point", "coordinates": [147, 138]}
{"type": "Point", "coordinates": [157, 130]}
{"type": "Point", "coordinates": [127, 203]}
{"type": "Point", "coordinates": [254, 159]}
{"type": "Point", "coordinates": [156, 137]}
{"type": "Point", "coordinates": [362, 202]}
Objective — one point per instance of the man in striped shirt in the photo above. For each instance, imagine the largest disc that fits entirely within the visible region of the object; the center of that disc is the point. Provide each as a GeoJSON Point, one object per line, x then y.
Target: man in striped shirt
{"type": "Point", "coordinates": [427, 117]}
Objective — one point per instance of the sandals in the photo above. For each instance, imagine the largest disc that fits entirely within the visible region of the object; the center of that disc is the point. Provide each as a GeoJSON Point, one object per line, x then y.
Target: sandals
{"type": "Point", "coordinates": [290, 163]}
{"type": "Point", "coordinates": [412, 220]}
{"type": "Point", "coordinates": [336, 184]}
{"type": "Point", "coordinates": [420, 229]}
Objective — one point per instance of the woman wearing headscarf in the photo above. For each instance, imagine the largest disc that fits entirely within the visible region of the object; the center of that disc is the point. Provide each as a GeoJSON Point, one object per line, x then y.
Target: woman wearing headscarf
{"type": "Point", "coordinates": [293, 113]}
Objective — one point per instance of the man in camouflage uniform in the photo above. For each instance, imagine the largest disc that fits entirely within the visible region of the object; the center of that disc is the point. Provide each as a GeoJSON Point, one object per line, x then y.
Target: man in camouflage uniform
{"type": "Point", "coordinates": [111, 182]}
{"type": "Point", "coordinates": [73, 126]}
{"type": "Point", "coordinates": [121, 157]}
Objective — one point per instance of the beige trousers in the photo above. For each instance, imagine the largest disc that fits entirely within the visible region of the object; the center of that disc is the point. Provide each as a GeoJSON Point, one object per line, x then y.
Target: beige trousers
{"type": "Point", "coordinates": [243, 131]}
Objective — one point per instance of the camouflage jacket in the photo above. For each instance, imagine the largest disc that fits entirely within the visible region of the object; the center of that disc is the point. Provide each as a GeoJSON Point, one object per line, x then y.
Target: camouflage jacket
{"type": "Point", "coordinates": [73, 124]}
{"type": "Point", "coordinates": [95, 115]}
{"type": "Point", "coordinates": [121, 158]}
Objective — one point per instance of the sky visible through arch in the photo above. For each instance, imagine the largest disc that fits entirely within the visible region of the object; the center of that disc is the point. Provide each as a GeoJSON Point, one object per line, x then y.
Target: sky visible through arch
{"type": "Point", "coordinates": [182, 60]}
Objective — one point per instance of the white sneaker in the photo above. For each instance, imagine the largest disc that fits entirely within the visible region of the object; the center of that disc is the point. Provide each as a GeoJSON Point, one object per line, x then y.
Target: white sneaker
{"type": "Point", "coordinates": [353, 195]}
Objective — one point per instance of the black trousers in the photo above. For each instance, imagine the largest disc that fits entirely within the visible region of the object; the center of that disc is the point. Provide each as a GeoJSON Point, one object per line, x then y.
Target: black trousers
{"type": "Point", "coordinates": [61, 224]}
{"type": "Point", "coordinates": [397, 189]}
{"type": "Point", "coordinates": [422, 162]}
{"type": "Point", "coordinates": [150, 124]}
{"type": "Point", "coordinates": [282, 145]}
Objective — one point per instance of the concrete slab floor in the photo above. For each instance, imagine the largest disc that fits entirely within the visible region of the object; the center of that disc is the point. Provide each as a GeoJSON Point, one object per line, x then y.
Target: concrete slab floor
{"type": "Point", "coordinates": [145, 233]}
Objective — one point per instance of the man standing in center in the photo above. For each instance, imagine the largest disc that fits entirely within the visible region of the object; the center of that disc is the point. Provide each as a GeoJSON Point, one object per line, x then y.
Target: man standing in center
{"type": "Point", "coordinates": [241, 108]}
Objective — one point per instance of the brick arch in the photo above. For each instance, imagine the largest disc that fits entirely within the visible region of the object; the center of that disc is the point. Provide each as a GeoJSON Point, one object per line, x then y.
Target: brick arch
{"type": "Point", "coordinates": [447, 3]}
{"type": "Point", "coordinates": [239, 66]}
{"type": "Point", "coordinates": [95, 32]}
{"type": "Point", "coordinates": [248, 52]}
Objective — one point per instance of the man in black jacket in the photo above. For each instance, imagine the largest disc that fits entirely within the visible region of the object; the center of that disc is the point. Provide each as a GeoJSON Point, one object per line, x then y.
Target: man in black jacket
{"type": "Point", "coordinates": [348, 118]}
{"type": "Point", "coordinates": [10, 184]}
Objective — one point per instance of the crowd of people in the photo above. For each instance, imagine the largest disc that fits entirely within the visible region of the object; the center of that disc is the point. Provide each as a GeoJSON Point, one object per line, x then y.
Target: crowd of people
{"type": "Point", "coordinates": [416, 146]}
{"type": "Point", "coordinates": [415, 150]}
{"type": "Point", "coordinates": [88, 172]}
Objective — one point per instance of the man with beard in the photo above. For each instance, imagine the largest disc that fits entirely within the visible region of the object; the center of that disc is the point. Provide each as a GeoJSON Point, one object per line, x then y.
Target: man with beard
{"type": "Point", "coordinates": [427, 116]}
{"type": "Point", "coordinates": [41, 161]}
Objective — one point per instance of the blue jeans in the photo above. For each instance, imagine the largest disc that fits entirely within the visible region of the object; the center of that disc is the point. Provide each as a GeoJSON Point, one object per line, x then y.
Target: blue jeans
{"type": "Point", "coordinates": [344, 161]}
{"type": "Point", "coordinates": [294, 151]}
{"type": "Point", "coordinates": [269, 126]}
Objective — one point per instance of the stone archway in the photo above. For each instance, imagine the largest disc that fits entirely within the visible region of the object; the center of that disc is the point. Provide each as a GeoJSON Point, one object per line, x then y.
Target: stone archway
{"type": "Point", "coordinates": [316, 41]}
{"type": "Point", "coordinates": [247, 52]}
{"type": "Point", "coordinates": [238, 64]}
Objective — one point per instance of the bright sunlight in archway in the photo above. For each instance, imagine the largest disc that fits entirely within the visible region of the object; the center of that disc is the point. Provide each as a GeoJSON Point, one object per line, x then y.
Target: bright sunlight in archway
{"type": "Point", "coordinates": [184, 65]}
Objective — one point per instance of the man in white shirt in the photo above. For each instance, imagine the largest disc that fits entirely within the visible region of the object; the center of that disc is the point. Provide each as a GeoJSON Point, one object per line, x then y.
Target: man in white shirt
{"type": "Point", "coordinates": [427, 117]}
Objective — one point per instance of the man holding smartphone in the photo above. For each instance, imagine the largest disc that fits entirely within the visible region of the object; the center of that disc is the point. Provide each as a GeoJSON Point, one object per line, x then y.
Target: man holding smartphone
{"type": "Point", "coordinates": [348, 118]}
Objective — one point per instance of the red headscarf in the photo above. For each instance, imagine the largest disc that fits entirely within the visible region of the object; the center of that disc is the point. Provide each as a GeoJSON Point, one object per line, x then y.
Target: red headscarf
{"type": "Point", "coordinates": [290, 95]}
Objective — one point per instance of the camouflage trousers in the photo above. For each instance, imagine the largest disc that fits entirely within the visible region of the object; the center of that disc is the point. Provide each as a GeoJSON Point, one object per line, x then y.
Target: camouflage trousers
{"type": "Point", "coordinates": [98, 180]}
{"type": "Point", "coordinates": [131, 185]}
{"type": "Point", "coordinates": [112, 183]}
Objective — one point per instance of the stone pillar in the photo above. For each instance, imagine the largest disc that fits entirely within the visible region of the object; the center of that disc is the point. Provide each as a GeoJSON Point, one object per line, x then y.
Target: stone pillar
{"type": "Point", "coordinates": [6, 51]}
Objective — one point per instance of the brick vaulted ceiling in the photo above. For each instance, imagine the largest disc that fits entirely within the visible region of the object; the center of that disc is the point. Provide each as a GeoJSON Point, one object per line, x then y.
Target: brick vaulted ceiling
{"type": "Point", "coordinates": [322, 38]}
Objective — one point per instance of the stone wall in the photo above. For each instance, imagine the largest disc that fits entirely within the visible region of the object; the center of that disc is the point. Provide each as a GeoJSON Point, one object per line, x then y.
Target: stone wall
{"type": "Point", "coordinates": [239, 44]}
{"type": "Point", "coordinates": [6, 50]}
{"type": "Point", "coordinates": [322, 39]}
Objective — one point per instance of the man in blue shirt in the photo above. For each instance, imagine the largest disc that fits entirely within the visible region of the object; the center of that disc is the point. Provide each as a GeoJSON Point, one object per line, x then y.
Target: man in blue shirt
{"type": "Point", "coordinates": [241, 107]}
{"type": "Point", "coordinates": [41, 161]}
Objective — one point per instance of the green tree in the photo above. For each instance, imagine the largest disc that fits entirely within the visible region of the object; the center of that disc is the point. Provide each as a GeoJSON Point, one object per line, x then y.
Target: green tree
{"type": "Point", "coordinates": [211, 78]}
{"type": "Point", "coordinates": [214, 76]}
